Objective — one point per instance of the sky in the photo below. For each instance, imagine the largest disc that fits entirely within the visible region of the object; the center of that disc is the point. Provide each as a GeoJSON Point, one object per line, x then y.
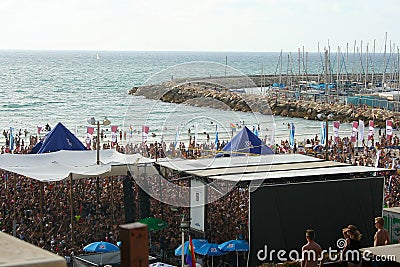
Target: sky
{"type": "Point", "coordinates": [200, 25]}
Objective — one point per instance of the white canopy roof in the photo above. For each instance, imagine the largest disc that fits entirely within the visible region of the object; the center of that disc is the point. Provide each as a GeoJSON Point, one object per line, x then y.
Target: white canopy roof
{"type": "Point", "coordinates": [59, 165]}
{"type": "Point", "coordinates": [230, 162]}
{"type": "Point", "coordinates": [252, 168]}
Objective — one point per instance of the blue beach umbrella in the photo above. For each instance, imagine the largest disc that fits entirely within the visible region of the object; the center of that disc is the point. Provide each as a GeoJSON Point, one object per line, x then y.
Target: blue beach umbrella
{"type": "Point", "coordinates": [235, 245]}
{"type": "Point", "coordinates": [101, 247]}
{"type": "Point", "coordinates": [210, 249]}
{"type": "Point", "coordinates": [197, 243]}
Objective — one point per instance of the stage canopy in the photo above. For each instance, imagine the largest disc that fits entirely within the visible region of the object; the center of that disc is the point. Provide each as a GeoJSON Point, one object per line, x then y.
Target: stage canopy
{"type": "Point", "coordinates": [59, 165]}
{"type": "Point", "coordinates": [262, 167]}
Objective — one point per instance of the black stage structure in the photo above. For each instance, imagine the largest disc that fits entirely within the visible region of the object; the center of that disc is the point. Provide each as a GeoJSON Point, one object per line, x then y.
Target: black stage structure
{"type": "Point", "coordinates": [289, 193]}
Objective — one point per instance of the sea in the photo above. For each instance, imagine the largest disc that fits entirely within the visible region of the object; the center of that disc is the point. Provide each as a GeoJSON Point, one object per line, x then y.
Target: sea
{"type": "Point", "coordinates": [48, 87]}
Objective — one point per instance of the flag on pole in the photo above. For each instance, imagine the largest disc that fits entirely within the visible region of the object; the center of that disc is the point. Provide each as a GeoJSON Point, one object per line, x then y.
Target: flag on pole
{"type": "Point", "coordinates": [39, 129]}
{"type": "Point", "coordinates": [130, 130]}
{"type": "Point", "coordinates": [360, 130]}
{"type": "Point", "coordinates": [336, 126]}
{"type": "Point", "coordinates": [190, 257]}
{"type": "Point", "coordinates": [291, 135]}
{"type": "Point", "coordinates": [216, 136]}
{"type": "Point", "coordinates": [176, 136]}
{"type": "Point", "coordinates": [323, 132]}
{"type": "Point", "coordinates": [11, 139]}
{"type": "Point", "coordinates": [354, 130]}
{"type": "Point", "coordinates": [256, 131]}
{"type": "Point", "coordinates": [145, 133]}
{"type": "Point", "coordinates": [371, 130]}
{"type": "Point", "coordinates": [114, 129]}
{"type": "Point", "coordinates": [389, 129]}
{"type": "Point", "coordinates": [233, 127]}
{"type": "Point", "coordinates": [90, 130]}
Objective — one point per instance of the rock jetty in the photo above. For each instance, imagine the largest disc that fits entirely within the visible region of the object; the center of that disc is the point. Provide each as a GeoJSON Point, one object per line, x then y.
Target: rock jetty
{"type": "Point", "coordinates": [216, 95]}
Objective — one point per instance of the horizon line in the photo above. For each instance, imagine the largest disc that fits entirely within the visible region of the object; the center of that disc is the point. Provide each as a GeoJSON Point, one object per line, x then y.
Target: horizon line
{"type": "Point", "coordinates": [165, 51]}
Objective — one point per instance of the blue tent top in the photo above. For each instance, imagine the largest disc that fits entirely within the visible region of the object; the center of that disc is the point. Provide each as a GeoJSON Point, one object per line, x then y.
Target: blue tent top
{"type": "Point", "coordinates": [60, 138]}
{"type": "Point", "coordinates": [245, 142]}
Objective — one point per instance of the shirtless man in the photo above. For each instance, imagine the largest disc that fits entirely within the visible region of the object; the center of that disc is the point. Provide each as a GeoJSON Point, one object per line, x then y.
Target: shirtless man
{"type": "Point", "coordinates": [381, 237]}
{"type": "Point", "coordinates": [311, 251]}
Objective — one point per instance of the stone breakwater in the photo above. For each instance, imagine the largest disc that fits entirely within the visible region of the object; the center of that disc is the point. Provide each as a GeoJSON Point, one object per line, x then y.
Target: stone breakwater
{"type": "Point", "coordinates": [214, 95]}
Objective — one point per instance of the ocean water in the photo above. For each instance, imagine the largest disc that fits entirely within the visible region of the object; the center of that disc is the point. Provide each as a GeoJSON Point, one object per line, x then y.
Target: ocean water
{"type": "Point", "coordinates": [40, 87]}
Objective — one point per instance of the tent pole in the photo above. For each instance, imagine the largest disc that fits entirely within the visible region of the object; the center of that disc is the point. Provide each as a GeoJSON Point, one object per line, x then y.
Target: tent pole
{"type": "Point", "coordinates": [15, 206]}
{"type": "Point", "coordinates": [41, 207]}
{"type": "Point", "coordinates": [71, 208]}
{"type": "Point", "coordinates": [98, 163]}
{"type": "Point", "coordinates": [112, 203]}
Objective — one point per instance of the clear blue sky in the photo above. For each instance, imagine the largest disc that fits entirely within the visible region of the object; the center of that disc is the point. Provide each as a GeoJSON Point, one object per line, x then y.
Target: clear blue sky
{"type": "Point", "coordinates": [200, 25]}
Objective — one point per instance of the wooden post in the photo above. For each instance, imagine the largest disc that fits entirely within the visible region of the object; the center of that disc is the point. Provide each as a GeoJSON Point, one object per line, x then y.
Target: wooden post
{"type": "Point", "coordinates": [41, 207]}
{"type": "Point", "coordinates": [15, 206]}
{"type": "Point", "coordinates": [71, 208]}
{"type": "Point", "coordinates": [112, 203]}
{"type": "Point", "coordinates": [98, 163]}
{"type": "Point", "coordinates": [135, 245]}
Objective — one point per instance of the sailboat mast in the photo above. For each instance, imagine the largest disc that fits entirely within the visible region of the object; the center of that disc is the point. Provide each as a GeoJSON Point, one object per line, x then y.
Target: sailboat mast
{"type": "Point", "coordinates": [291, 70]}
{"type": "Point", "coordinates": [329, 63]}
{"type": "Point", "coordinates": [347, 61]}
{"type": "Point", "coordinates": [306, 66]}
{"type": "Point", "coordinates": [326, 74]}
{"type": "Point", "coordinates": [398, 68]}
{"type": "Point", "coordinates": [384, 64]}
{"type": "Point", "coordinates": [287, 70]}
{"type": "Point", "coordinates": [373, 69]}
{"type": "Point", "coordinates": [303, 72]}
{"type": "Point", "coordinates": [299, 75]}
{"type": "Point", "coordinates": [366, 69]}
{"type": "Point", "coordinates": [338, 72]}
{"type": "Point", "coordinates": [389, 63]}
{"type": "Point", "coordinates": [361, 61]}
{"type": "Point", "coordinates": [319, 63]}
{"type": "Point", "coordinates": [354, 59]}
{"type": "Point", "coordinates": [392, 51]}
{"type": "Point", "coordinates": [280, 69]}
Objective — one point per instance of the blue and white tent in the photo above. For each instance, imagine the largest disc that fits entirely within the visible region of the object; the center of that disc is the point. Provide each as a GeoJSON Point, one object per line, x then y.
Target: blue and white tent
{"type": "Point", "coordinates": [60, 138]}
{"type": "Point", "coordinates": [244, 143]}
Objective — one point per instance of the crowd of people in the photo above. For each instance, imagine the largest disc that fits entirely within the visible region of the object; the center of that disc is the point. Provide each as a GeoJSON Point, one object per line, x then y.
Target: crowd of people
{"type": "Point", "coordinates": [98, 207]}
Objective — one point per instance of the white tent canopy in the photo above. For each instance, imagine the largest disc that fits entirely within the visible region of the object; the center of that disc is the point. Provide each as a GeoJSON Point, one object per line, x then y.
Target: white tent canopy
{"type": "Point", "coordinates": [252, 168]}
{"type": "Point", "coordinates": [59, 165]}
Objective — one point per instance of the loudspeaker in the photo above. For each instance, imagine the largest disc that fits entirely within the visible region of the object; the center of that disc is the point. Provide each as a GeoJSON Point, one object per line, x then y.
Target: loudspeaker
{"type": "Point", "coordinates": [144, 204]}
{"type": "Point", "coordinates": [129, 199]}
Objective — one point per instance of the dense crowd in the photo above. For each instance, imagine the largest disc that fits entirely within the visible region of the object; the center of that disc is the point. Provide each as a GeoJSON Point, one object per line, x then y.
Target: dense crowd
{"type": "Point", "coordinates": [98, 208]}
